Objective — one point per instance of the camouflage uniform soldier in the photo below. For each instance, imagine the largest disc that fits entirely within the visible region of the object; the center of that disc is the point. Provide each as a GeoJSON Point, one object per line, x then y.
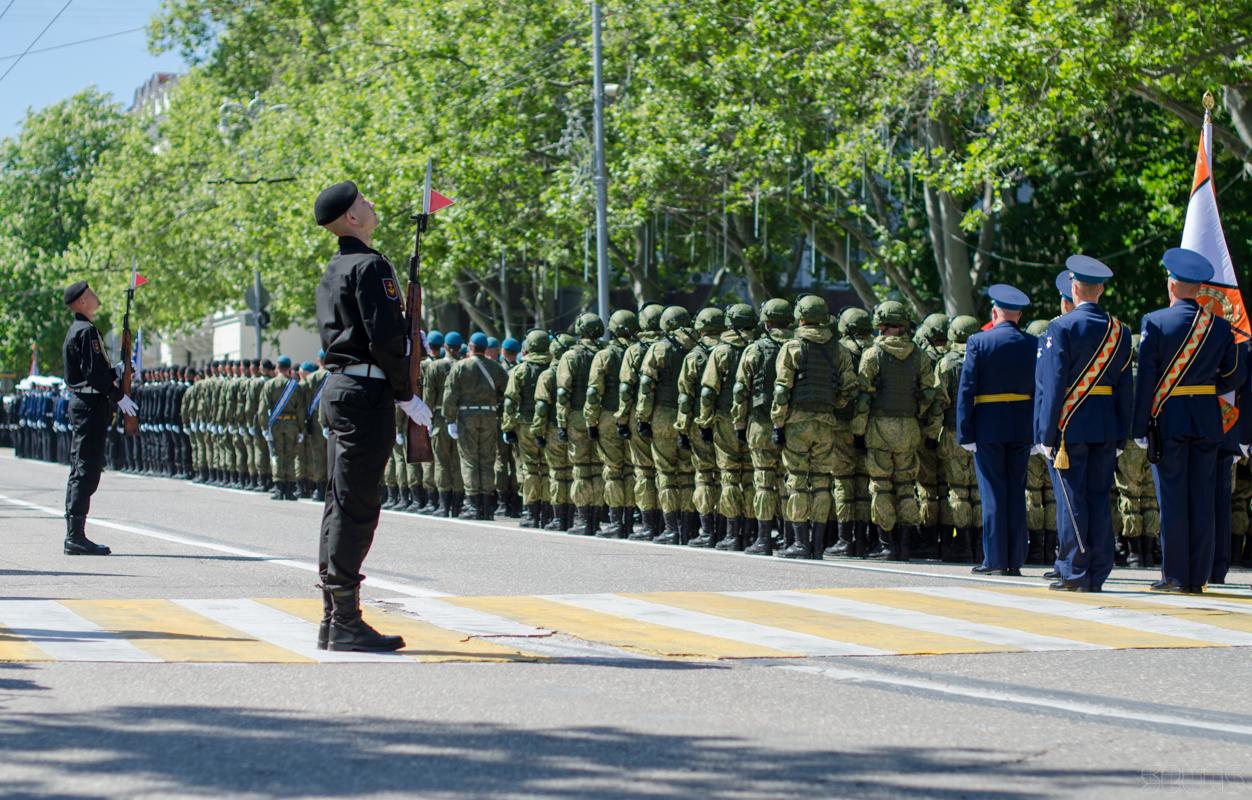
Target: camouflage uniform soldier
{"type": "Point", "coordinates": [898, 382]}
{"type": "Point", "coordinates": [958, 463]}
{"type": "Point", "coordinates": [1140, 516]}
{"type": "Point", "coordinates": [284, 401]}
{"type": "Point", "coordinates": [1240, 497]}
{"type": "Point", "coordinates": [471, 402]}
{"type": "Point", "coordinates": [656, 413]}
{"type": "Point", "coordinates": [239, 423]}
{"type": "Point", "coordinates": [508, 462]}
{"type": "Point", "coordinates": [572, 378]}
{"type": "Point", "coordinates": [851, 498]}
{"type": "Point", "coordinates": [191, 423]}
{"type": "Point", "coordinates": [600, 409]}
{"type": "Point", "coordinates": [1040, 497]}
{"type": "Point", "coordinates": [932, 338]}
{"type": "Point", "coordinates": [434, 352]}
{"type": "Point", "coordinates": [749, 413]}
{"type": "Point", "coordinates": [447, 463]}
{"type": "Point", "coordinates": [717, 391]}
{"type": "Point", "coordinates": [814, 380]}
{"type": "Point", "coordinates": [710, 323]}
{"type": "Point", "coordinates": [393, 473]}
{"type": "Point", "coordinates": [519, 411]}
{"type": "Point", "coordinates": [555, 452]}
{"type": "Point", "coordinates": [640, 450]}
{"type": "Point", "coordinates": [314, 436]}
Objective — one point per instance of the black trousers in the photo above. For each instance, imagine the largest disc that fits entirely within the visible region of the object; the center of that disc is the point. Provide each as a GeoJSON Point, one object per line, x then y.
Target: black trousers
{"type": "Point", "coordinates": [89, 417]}
{"type": "Point", "coordinates": [361, 417]}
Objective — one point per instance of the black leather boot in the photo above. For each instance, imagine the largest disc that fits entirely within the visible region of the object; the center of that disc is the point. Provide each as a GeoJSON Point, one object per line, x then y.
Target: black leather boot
{"type": "Point", "coordinates": [349, 632]}
{"type": "Point", "coordinates": [470, 508]}
{"type": "Point", "coordinates": [591, 521]}
{"type": "Point", "coordinates": [846, 538]}
{"type": "Point", "coordinates": [818, 537]}
{"type": "Point", "coordinates": [277, 493]}
{"type": "Point", "coordinates": [884, 548]}
{"type": "Point", "coordinates": [557, 519]}
{"type": "Point", "coordinates": [736, 530]}
{"type": "Point", "coordinates": [670, 534]}
{"type": "Point", "coordinates": [323, 629]}
{"type": "Point", "coordinates": [444, 509]}
{"type": "Point", "coordinates": [531, 518]}
{"type": "Point", "coordinates": [644, 533]}
{"type": "Point", "coordinates": [76, 541]}
{"type": "Point", "coordinates": [764, 544]}
{"type": "Point", "coordinates": [708, 525]}
{"type": "Point", "coordinates": [1034, 547]}
{"type": "Point", "coordinates": [614, 529]}
{"type": "Point", "coordinates": [393, 497]}
{"type": "Point", "coordinates": [799, 547]}
{"type": "Point", "coordinates": [1131, 546]}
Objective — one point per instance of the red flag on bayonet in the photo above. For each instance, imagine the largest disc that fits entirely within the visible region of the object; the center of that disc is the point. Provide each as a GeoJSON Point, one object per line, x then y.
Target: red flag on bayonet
{"type": "Point", "coordinates": [437, 201]}
{"type": "Point", "coordinates": [139, 280]}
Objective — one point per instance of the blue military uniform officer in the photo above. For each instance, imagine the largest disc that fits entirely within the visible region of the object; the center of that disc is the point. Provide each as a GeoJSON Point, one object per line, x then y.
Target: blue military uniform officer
{"type": "Point", "coordinates": [1187, 357]}
{"type": "Point", "coordinates": [1084, 396]}
{"type": "Point", "coordinates": [994, 415]}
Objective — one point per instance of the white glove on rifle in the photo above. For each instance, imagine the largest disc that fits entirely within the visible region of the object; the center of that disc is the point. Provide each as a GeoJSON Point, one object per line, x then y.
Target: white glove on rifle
{"type": "Point", "coordinates": [452, 430]}
{"type": "Point", "coordinates": [300, 437]}
{"type": "Point", "coordinates": [417, 410]}
{"type": "Point", "coordinates": [1048, 452]}
{"type": "Point", "coordinates": [268, 433]}
{"type": "Point", "coordinates": [400, 439]}
{"type": "Point", "coordinates": [971, 447]}
{"type": "Point", "coordinates": [1143, 443]}
{"type": "Point", "coordinates": [128, 406]}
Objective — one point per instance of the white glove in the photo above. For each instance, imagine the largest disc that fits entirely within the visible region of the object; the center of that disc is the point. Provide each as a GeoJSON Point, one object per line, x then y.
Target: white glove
{"type": "Point", "coordinates": [1120, 450]}
{"type": "Point", "coordinates": [417, 410]}
{"type": "Point", "coordinates": [971, 447]}
{"type": "Point", "coordinates": [1245, 449]}
{"type": "Point", "coordinates": [128, 406]}
{"type": "Point", "coordinates": [1143, 443]}
{"type": "Point", "coordinates": [452, 430]}
{"type": "Point", "coordinates": [1048, 452]}
{"type": "Point", "coordinates": [251, 431]}
{"type": "Point", "coordinates": [300, 438]}
{"type": "Point", "coordinates": [120, 369]}
{"type": "Point", "coordinates": [400, 439]}
{"type": "Point", "coordinates": [269, 435]}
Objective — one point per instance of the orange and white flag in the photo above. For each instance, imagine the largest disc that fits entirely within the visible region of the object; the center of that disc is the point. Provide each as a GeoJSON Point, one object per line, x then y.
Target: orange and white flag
{"type": "Point", "coordinates": [1202, 232]}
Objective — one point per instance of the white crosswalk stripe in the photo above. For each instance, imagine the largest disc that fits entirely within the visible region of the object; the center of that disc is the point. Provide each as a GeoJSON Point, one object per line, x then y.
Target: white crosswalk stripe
{"type": "Point", "coordinates": [64, 635]}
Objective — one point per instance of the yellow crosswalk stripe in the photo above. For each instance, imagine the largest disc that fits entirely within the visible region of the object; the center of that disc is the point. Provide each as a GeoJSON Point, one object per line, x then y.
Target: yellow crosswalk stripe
{"type": "Point", "coordinates": [173, 633]}
{"type": "Point", "coordinates": [837, 627]}
{"type": "Point", "coordinates": [1231, 620]}
{"type": "Point", "coordinates": [1096, 633]}
{"type": "Point", "coordinates": [15, 648]}
{"type": "Point", "coordinates": [423, 641]}
{"type": "Point", "coordinates": [617, 631]}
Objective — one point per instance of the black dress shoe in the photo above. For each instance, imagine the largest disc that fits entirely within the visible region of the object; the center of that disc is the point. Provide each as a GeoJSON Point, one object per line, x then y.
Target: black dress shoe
{"type": "Point", "coordinates": [983, 569]}
{"type": "Point", "coordinates": [1194, 590]}
{"type": "Point", "coordinates": [1170, 586]}
{"type": "Point", "coordinates": [1013, 572]}
{"type": "Point", "coordinates": [1051, 575]}
{"type": "Point", "coordinates": [1068, 586]}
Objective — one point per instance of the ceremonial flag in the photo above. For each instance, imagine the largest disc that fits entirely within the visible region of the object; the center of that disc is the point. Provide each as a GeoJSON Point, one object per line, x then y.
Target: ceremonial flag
{"type": "Point", "coordinates": [437, 201]}
{"type": "Point", "coordinates": [1202, 232]}
{"type": "Point", "coordinates": [34, 359]}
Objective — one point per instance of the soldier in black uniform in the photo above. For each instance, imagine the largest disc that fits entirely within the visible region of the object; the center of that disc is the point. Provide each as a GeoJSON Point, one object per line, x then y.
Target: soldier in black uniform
{"type": "Point", "coordinates": [95, 388]}
{"type": "Point", "coordinates": [360, 315]}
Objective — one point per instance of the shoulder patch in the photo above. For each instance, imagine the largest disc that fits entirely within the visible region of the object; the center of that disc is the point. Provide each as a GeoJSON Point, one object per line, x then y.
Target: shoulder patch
{"type": "Point", "coordinates": [390, 287]}
{"type": "Point", "coordinates": [95, 345]}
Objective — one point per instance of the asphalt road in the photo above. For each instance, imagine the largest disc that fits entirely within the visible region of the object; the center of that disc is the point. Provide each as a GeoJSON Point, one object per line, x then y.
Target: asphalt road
{"type": "Point", "coordinates": [585, 712]}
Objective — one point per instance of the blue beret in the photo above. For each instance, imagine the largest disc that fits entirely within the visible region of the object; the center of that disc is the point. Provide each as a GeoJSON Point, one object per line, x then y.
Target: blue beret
{"type": "Point", "coordinates": [1063, 284]}
{"type": "Point", "coordinates": [334, 201]}
{"type": "Point", "coordinates": [434, 339]}
{"type": "Point", "coordinates": [511, 345]}
{"type": "Point", "coordinates": [321, 353]}
{"type": "Point", "coordinates": [452, 340]}
{"type": "Point", "coordinates": [1088, 269]}
{"type": "Point", "coordinates": [479, 339]}
{"type": "Point", "coordinates": [492, 342]}
{"type": "Point", "coordinates": [309, 366]}
{"type": "Point", "coordinates": [1008, 297]}
{"type": "Point", "coordinates": [284, 361]}
{"type": "Point", "coordinates": [1187, 266]}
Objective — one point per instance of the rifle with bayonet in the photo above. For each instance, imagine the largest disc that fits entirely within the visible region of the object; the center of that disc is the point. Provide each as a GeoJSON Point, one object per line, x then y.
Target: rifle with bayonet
{"type": "Point", "coordinates": [418, 449]}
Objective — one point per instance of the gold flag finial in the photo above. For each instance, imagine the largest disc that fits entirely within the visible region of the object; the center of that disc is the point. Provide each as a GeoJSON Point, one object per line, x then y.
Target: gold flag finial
{"type": "Point", "coordinates": [1209, 101]}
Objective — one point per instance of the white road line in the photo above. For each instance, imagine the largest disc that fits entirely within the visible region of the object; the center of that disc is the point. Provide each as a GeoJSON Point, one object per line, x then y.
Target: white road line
{"type": "Point", "coordinates": [64, 635]}
{"type": "Point", "coordinates": [1192, 601]}
{"type": "Point", "coordinates": [710, 625]}
{"type": "Point", "coordinates": [1144, 621]}
{"type": "Point", "coordinates": [307, 566]}
{"type": "Point", "coordinates": [1020, 698]}
{"type": "Point", "coordinates": [501, 630]}
{"type": "Point", "coordinates": [920, 621]}
{"type": "Point", "coordinates": [279, 629]}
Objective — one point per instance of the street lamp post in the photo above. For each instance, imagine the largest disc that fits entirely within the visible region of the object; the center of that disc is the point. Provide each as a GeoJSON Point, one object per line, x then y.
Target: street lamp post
{"type": "Point", "coordinates": [601, 181]}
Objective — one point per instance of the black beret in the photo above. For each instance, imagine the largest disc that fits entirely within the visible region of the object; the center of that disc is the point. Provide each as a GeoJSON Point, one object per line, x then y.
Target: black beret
{"type": "Point", "coordinates": [74, 291]}
{"type": "Point", "coordinates": [334, 201]}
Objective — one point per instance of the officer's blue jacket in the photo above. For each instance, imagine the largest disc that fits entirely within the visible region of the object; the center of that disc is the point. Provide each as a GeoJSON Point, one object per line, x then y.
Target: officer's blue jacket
{"type": "Point", "coordinates": [994, 399]}
{"type": "Point", "coordinates": [1065, 351]}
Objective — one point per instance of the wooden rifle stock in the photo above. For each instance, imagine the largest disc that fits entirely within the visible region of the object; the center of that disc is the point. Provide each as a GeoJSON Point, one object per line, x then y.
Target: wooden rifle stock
{"type": "Point", "coordinates": [129, 424]}
{"type": "Point", "coordinates": [418, 449]}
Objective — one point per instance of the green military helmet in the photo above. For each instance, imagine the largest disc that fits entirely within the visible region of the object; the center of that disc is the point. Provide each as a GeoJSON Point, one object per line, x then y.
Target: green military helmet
{"type": "Point", "coordinates": [650, 317]}
{"type": "Point", "coordinates": [624, 323]}
{"type": "Point", "coordinates": [812, 310]}
{"type": "Point", "coordinates": [776, 310]}
{"type": "Point", "coordinates": [741, 317]}
{"type": "Point", "coordinates": [935, 325]}
{"type": "Point", "coordinates": [537, 341]}
{"type": "Point", "coordinates": [1037, 327]}
{"type": "Point", "coordinates": [589, 326]}
{"type": "Point", "coordinates": [675, 317]}
{"type": "Point", "coordinates": [891, 314]}
{"type": "Point", "coordinates": [560, 343]}
{"type": "Point", "coordinates": [963, 327]}
{"type": "Point", "coordinates": [710, 321]}
{"type": "Point", "coordinates": [854, 322]}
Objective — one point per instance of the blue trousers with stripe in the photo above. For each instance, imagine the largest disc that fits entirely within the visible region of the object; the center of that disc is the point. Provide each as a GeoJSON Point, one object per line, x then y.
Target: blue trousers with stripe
{"type": "Point", "coordinates": [1001, 470]}
{"type": "Point", "coordinates": [1085, 488]}
{"type": "Point", "coordinates": [1186, 487]}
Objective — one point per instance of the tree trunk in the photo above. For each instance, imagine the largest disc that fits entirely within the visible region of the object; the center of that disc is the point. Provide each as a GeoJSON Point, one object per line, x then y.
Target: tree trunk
{"type": "Point", "coordinates": [465, 294]}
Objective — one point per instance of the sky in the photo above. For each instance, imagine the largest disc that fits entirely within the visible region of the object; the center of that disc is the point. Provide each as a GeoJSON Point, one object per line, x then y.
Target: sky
{"type": "Point", "coordinates": [117, 64]}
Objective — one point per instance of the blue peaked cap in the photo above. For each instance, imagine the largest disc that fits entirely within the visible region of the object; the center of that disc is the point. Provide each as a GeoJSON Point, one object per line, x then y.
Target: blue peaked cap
{"type": "Point", "coordinates": [1187, 266]}
{"type": "Point", "coordinates": [1007, 297]}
